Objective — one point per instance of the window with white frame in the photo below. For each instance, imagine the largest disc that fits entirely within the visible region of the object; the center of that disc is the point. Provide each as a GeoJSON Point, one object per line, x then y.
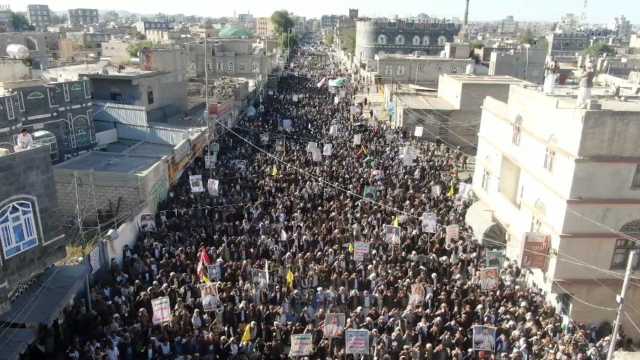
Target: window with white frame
{"type": "Point", "coordinates": [399, 40]}
{"type": "Point", "coordinates": [219, 66]}
{"type": "Point", "coordinates": [442, 41]}
{"type": "Point", "coordinates": [382, 39]}
{"type": "Point", "coordinates": [18, 230]}
{"type": "Point", "coordinates": [635, 182]}
{"type": "Point", "coordinates": [426, 41]}
{"type": "Point", "coordinates": [624, 246]}
{"type": "Point", "coordinates": [388, 70]}
{"type": "Point", "coordinates": [400, 70]}
{"type": "Point", "coordinates": [416, 40]}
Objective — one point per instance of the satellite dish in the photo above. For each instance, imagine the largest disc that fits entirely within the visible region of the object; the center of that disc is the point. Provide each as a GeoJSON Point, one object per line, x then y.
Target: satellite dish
{"type": "Point", "coordinates": [17, 51]}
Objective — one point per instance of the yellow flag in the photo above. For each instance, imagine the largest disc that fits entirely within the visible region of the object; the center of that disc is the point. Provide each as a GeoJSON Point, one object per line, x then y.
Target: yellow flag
{"type": "Point", "coordinates": [205, 279]}
{"type": "Point", "coordinates": [274, 172]}
{"type": "Point", "coordinates": [396, 221]}
{"type": "Point", "coordinates": [246, 336]}
{"type": "Point", "coordinates": [290, 279]}
{"type": "Point", "coordinates": [350, 247]}
{"type": "Point", "coordinates": [451, 192]}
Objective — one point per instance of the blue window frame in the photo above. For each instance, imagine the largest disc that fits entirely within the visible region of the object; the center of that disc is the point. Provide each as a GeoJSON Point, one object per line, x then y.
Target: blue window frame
{"type": "Point", "coordinates": [18, 232]}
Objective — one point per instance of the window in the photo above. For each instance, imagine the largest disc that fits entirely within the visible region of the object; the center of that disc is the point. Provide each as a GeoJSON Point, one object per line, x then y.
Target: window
{"type": "Point", "coordinates": [17, 228]}
{"type": "Point", "coordinates": [485, 179]}
{"type": "Point", "coordinates": [549, 158]}
{"type": "Point", "coordinates": [255, 67]}
{"type": "Point", "coordinates": [400, 70]}
{"type": "Point", "coordinates": [621, 254]}
{"type": "Point", "coordinates": [420, 67]}
{"type": "Point", "coordinates": [230, 66]}
{"type": "Point", "coordinates": [388, 70]}
{"type": "Point", "coordinates": [220, 66]}
{"type": "Point", "coordinates": [399, 40]}
{"type": "Point", "coordinates": [509, 180]}
{"type": "Point", "coordinates": [150, 99]}
{"type": "Point", "coordinates": [635, 182]}
{"type": "Point", "coordinates": [426, 41]}
{"type": "Point", "coordinates": [442, 41]}
{"type": "Point", "coordinates": [82, 131]}
{"type": "Point", "coordinates": [416, 40]}
{"type": "Point", "coordinates": [382, 39]}
{"type": "Point", "coordinates": [517, 131]}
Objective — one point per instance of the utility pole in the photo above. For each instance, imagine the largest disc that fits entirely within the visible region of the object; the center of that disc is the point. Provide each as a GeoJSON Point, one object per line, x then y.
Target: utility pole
{"type": "Point", "coordinates": [620, 300]}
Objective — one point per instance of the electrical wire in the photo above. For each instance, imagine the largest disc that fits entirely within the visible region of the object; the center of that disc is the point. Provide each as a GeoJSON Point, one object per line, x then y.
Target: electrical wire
{"type": "Point", "coordinates": [585, 302]}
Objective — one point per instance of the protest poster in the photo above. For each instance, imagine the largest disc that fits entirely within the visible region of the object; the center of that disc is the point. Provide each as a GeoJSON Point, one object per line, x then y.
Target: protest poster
{"type": "Point", "coordinates": [209, 297]}
{"type": "Point", "coordinates": [301, 345]}
{"type": "Point", "coordinates": [327, 149]}
{"type": "Point", "coordinates": [357, 139]}
{"type": "Point", "coordinates": [370, 192]}
{"type": "Point", "coordinates": [280, 145]}
{"type": "Point", "coordinates": [333, 130]}
{"type": "Point", "coordinates": [417, 295]}
{"type": "Point", "coordinates": [239, 165]}
{"type": "Point", "coordinates": [311, 146]}
{"type": "Point", "coordinates": [210, 161]}
{"type": "Point", "coordinates": [196, 183]}
{"type": "Point", "coordinates": [213, 272]}
{"type": "Point", "coordinates": [436, 190]}
{"type": "Point", "coordinates": [489, 278]}
{"type": "Point", "coordinates": [418, 131]}
{"type": "Point", "coordinates": [494, 258]}
{"type": "Point", "coordinates": [294, 98]}
{"type": "Point", "coordinates": [360, 249]}
{"type": "Point", "coordinates": [316, 155]}
{"type": "Point", "coordinates": [357, 342]}
{"type": "Point", "coordinates": [260, 277]}
{"type": "Point", "coordinates": [264, 138]}
{"type": "Point", "coordinates": [333, 325]}
{"type": "Point", "coordinates": [453, 232]}
{"type": "Point", "coordinates": [354, 109]}
{"type": "Point", "coordinates": [286, 124]}
{"type": "Point", "coordinates": [464, 191]}
{"type": "Point", "coordinates": [213, 187]}
{"type": "Point", "coordinates": [147, 222]}
{"type": "Point", "coordinates": [161, 310]}
{"type": "Point", "coordinates": [94, 259]}
{"type": "Point", "coordinates": [535, 251]}
{"type": "Point", "coordinates": [391, 234]}
{"type": "Point", "coordinates": [484, 338]}
{"type": "Point", "coordinates": [429, 222]}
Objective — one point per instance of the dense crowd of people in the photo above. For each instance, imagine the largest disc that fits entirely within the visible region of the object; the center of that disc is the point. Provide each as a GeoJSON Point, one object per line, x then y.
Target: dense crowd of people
{"type": "Point", "coordinates": [281, 232]}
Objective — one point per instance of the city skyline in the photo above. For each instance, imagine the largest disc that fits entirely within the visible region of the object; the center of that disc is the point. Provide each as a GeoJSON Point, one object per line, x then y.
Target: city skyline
{"type": "Point", "coordinates": [522, 10]}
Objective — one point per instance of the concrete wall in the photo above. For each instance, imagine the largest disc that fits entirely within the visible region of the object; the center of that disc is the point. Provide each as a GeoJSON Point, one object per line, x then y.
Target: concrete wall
{"type": "Point", "coordinates": [14, 70]}
{"type": "Point", "coordinates": [28, 175]}
{"type": "Point", "coordinates": [116, 51]}
{"type": "Point", "coordinates": [610, 133]}
{"type": "Point", "coordinates": [419, 70]}
{"type": "Point", "coordinates": [526, 64]}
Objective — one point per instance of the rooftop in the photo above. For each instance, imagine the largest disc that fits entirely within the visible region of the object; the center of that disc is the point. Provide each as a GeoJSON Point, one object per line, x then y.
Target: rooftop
{"type": "Point", "coordinates": [419, 58]}
{"type": "Point", "coordinates": [110, 162]}
{"type": "Point", "coordinates": [485, 79]}
{"type": "Point", "coordinates": [566, 97]}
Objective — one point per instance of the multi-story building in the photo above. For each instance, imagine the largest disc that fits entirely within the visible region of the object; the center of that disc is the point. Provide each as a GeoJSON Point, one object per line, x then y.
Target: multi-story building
{"type": "Point", "coordinates": [568, 44]}
{"type": "Point", "coordinates": [62, 112]}
{"type": "Point", "coordinates": [83, 17]}
{"type": "Point", "coordinates": [85, 39]}
{"type": "Point", "coordinates": [6, 19]}
{"type": "Point", "coordinates": [36, 42]}
{"type": "Point", "coordinates": [508, 26]}
{"type": "Point", "coordinates": [353, 14]}
{"type": "Point", "coordinates": [264, 27]}
{"type": "Point", "coordinates": [526, 63]}
{"type": "Point", "coordinates": [401, 37]}
{"type": "Point", "coordinates": [299, 25]}
{"type": "Point", "coordinates": [39, 16]}
{"type": "Point", "coordinates": [622, 27]}
{"type": "Point", "coordinates": [563, 183]}
{"type": "Point", "coordinates": [329, 21]}
{"type": "Point", "coordinates": [143, 26]}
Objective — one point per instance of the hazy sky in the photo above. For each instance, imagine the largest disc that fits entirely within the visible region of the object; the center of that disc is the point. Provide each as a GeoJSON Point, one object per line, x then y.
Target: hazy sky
{"type": "Point", "coordinates": [602, 11]}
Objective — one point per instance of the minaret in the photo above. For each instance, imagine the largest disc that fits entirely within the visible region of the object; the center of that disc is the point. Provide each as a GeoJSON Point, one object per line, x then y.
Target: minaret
{"type": "Point", "coordinates": [463, 34]}
{"type": "Point", "coordinates": [466, 14]}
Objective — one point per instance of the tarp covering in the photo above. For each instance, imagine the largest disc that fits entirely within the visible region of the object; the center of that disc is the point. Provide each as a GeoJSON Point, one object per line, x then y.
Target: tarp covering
{"type": "Point", "coordinates": [14, 342]}
{"type": "Point", "coordinates": [340, 82]}
{"type": "Point", "coordinates": [44, 300]}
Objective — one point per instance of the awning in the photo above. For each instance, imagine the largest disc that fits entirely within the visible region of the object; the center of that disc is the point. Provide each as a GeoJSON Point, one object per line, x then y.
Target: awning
{"type": "Point", "coordinates": [44, 300]}
{"type": "Point", "coordinates": [480, 217]}
{"type": "Point", "coordinates": [14, 342]}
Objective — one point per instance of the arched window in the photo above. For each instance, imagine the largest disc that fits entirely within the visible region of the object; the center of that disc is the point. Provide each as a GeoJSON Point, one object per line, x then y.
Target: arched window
{"type": "Point", "coordinates": [382, 39]}
{"type": "Point", "coordinates": [442, 40]}
{"type": "Point", "coordinates": [416, 40]}
{"type": "Point", "coordinates": [550, 154]}
{"type": "Point", "coordinates": [150, 99]}
{"type": "Point", "coordinates": [539, 213]}
{"type": "Point", "coordinates": [399, 40]}
{"type": "Point", "coordinates": [31, 44]}
{"type": "Point", "coordinates": [625, 245]}
{"type": "Point", "coordinates": [517, 131]}
{"type": "Point", "coordinates": [426, 41]}
{"type": "Point", "coordinates": [82, 131]}
{"type": "Point", "coordinates": [18, 230]}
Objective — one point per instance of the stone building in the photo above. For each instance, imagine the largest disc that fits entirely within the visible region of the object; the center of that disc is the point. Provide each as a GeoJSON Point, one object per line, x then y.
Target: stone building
{"type": "Point", "coordinates": [39, 16]}
{"type": "Point", "coordinates": [38, 43]}
{"type": "Point", "coordinates": [31, 235]}
{"type": "Point", "coordinates": [401, 37]}
{"type": "Point", "coordinates": [83, 17]}
{"type": "Point", "coordinates": [61, 113]}
{"type": "Point", "coordinates": [526, 63]}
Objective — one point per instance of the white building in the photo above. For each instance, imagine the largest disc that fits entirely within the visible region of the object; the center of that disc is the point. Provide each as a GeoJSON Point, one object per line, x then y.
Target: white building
{"type": "Point", "coordinates": [547, 168]}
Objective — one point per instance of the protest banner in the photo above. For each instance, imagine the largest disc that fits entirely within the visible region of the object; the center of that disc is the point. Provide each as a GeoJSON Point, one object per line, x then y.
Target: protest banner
{"type": "Point", "coordinates": [429, 223]}
{"type": "Point", "coordinates": [357, 342]}
{"type": "Point", "coordinates": [484, 338]}
{"type": "Point", "coordinates": [333, 130]}
{"type": "Point", "coordinates": [535, 251]}
{"type": "Point", "coordinates": [357, 139]}
{"type": "Point", "coordinates": [213, 272]}
{"type": "Point", "coordinates": [213, 187]}
{"type": "Point", "coordinates": [489, 278]}
{"type": "Point", "coordinates": [301, 345]}
{"type": "Point", "coordinates": [259, 277]}
{"type": "Point", "coordinates": [264, 138]}
{"type": "Point", "coordinates": [417, 295]}
{"type": "Point", "coordinates": [210, 161]}
{"type": "Point", "coordinates": [311, 146]}
{"type": "Point", "coordinates": [436, 190]}
{"type": "Point", "coordinates": [196, 183]}
{"type": "Point", "coordinates": [316, 155]}
{"type": "Point", "coordinates": [464, 191]}
{"type": "Point", "coordinates": [209, 297]}
{"type": "Point", "coordinates": [333, 325]}
{"type": "Point", "coordinates": [161, 310]}
{"type": "Point", "coordinates": [94, 259]}
{"type": "Point", "coordinates": [391, 234]}
{"type": "Point", "coordinates": [239, 165]}
{"type": "Point", "coordinates": [494, 258]}
{"type": "Point", "coordinates": [286, 124]}
{"type": "Point", "coordinates": [327, 149]}
{"type": "Point", "coordinates": [147, 222]}
{"type": "Point", "coordinates": [453, 232]}
{"type": "Point", "coordinates": [370, 192]}
{"type": "Point", "coordinates": [418, 131]}
{"type": "Point", "coordinates": [360, 249]}
{"type": "Point", "coordinates": [280, 145]}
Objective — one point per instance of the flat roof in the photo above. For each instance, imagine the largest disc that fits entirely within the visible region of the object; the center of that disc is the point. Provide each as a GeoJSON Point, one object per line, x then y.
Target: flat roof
{"type": "Point", "coordinates": [424, 101]}
{"type": "Point", "coordinates": [109, 162]}
{"type": "Point", "coordinates": [419, 58]}
{"type": "Point", "coordinates": [485, 79]}
{"type": "Point", "coordinates": [125, 74]}
{"type": "Point", "coordinates": [139, 148]}
{"type": "Point", "coordinates": [567, 97]}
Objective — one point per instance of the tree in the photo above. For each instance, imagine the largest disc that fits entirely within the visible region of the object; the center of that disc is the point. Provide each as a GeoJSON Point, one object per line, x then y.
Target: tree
{"type": "Point", "coordinates": [134, 49]}
{"type": "Point", "coordinates": [328, 39]}
{"type": "Point", "coordinates": [20, 23]}
{"type": "Point", "coordinates": [527, 38]}
{"type": "Point", "coordinates": [348, 40]}
{"type": "Point", "coordinates": [599, 49]}
{"type": "Point", "coordinates": [282, 22]}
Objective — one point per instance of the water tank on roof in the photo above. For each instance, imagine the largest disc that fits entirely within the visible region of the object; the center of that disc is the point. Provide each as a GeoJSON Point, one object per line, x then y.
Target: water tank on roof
{"type": "Point", "coordinates": [17, 51]}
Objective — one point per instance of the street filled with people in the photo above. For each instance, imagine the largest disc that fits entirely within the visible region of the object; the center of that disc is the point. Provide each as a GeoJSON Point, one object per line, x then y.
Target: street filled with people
{"type": "Point", "coordinates": [317, 231]}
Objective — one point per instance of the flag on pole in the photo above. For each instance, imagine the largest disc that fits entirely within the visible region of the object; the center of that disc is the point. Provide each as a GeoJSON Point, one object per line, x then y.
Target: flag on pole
{"type": "Point", "coordinates": [246, 335]}
{"type": "Point", "coordinates": [203, 262]}
{"type": "Point", "coordinates": [396, 221]}
{"type": "Point", "coordinates": [274, 171]}
{"type": "Point", "coordinates": [290, 280]}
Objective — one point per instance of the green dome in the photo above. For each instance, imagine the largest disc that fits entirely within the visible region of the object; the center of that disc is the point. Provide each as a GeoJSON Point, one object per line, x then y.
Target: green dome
{"type": "Point", "coordinates": [236, 32]}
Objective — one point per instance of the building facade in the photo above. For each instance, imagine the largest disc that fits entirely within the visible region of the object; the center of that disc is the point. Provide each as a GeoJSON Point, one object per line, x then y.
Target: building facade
{"type": "Point", "coordinates": [567, 181]}
{"type": "Point", "coordinates": [143, 26]}
{"type": "Point", "coordinates": [264, 27]}
{"type": "Point", "coordinates": [31, 233]}
{"type": "Point", "coordinates": [6, 19]}
{"type": "Point", "coordinates": [39, 16]}
{"type": "Point", "coordinates": [36, 42]}
{"type": "Point", "coordinates": [83, 17]}
{"type": "Point", "coordinates": [424, 70]}
{"type": "Point", "coordinates": [61, 112]}
{"type": "Point", "coordinates": [526, 63]}
{"type": "Point", "coordinates": [401, 37]}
